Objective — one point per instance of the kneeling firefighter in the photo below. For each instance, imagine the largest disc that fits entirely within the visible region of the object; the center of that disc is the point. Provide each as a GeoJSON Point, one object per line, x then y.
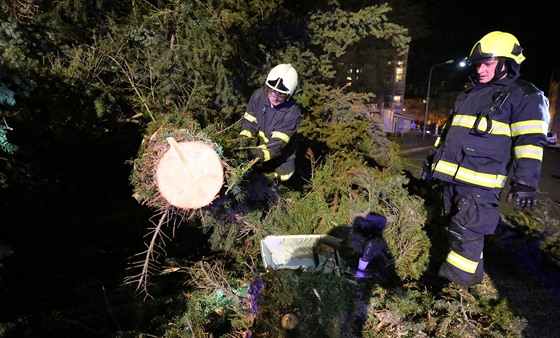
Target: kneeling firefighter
{"type": "Point", "coordinates": [273, 118]}
{"type": "Point", "coordinates": [498, 125]}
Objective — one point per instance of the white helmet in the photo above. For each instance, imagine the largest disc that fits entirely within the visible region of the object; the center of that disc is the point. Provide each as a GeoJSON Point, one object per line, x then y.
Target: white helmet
{"type": "Point", "coordinates": [283, 78]}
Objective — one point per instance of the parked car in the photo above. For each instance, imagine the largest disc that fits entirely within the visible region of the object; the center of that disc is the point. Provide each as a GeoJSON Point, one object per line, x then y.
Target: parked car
{"type": "Point", "coordinates": [551, 137]}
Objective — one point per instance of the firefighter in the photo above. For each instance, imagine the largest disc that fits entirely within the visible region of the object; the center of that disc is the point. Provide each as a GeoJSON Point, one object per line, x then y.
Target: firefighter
{"type": "Point", "coordinates": [272, 119]}
{"type": "Point", "coordinates": [498, 127]}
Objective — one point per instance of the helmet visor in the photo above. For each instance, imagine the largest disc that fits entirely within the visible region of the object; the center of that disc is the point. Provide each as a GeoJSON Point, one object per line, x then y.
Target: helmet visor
{"type": "Point", "coordinates": [478, 62]}
{"type": "Point", "coordinates": [278, 86]}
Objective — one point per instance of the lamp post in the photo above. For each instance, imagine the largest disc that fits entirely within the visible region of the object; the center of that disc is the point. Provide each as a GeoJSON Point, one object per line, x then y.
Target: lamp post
{"type": "Point", "coordinates": [448, 62]}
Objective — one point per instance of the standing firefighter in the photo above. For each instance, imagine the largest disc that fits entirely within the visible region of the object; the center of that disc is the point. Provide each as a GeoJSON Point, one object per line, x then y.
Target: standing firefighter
{"type": "Point", "coordinates": [497, 125]}
{"type": "Point", "coordinates": [273, 118]}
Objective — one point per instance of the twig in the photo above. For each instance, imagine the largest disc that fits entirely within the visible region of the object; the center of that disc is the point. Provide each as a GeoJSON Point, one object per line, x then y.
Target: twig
{"type": "Point", "coordinates": [141, 279]}
{"type": "Point", "coordinates": [249, 166]}
{"type": "Point", "coordinates": [128, 73]}
{"type": "Point", "coordinates": [229, 127]}
{"type": "Point", "coordinates": [216, 278]}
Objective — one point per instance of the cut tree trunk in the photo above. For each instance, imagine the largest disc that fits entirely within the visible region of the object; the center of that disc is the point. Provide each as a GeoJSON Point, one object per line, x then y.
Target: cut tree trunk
{"type": "Point", "coordinates": [190, 174]}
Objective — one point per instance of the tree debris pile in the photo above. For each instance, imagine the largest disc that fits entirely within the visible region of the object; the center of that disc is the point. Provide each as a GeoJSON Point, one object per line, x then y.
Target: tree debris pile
{"type": "Point", "coordinates": [311, 303]}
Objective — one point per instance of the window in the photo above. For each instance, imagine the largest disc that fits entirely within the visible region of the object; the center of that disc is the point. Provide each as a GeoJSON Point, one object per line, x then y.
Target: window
{"type": "Point", "coordinates": [398, 74]}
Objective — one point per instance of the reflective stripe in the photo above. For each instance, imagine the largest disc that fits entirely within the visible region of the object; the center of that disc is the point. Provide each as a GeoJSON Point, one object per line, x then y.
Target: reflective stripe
{"type": "Point", "coordinates": [470, 176]}
{"type": "Point", "coordinates": [263, 136]}
{"type": "Point", "coordinates": [281, 136]}
{"type": "Point", "coordinates": [529, 127]}
{"type": "Point", "coordinates": [499, 128]}
{"type": "Point", "coordinates": [461, 262]}
{"type": "Point", "coordinates": [464, 121]}
{"type": "Point", "coordinates": [467, 121]}
{"type": "Point", "coordinates": [438, 140]}
{"type": "Point", "coordinates": [246, 133]}
{"type": "Point", "coordinates": [249, 117]}
{"type": "Point", "coordinates": [445, 167]}
{"type": "Point", "coordinates": [283, 177]}
{"type": "Point", "coordinates": [528, 151]}
{"type": "Point", "coordinates": [286, 177]}
{"type": "Point", "coordinates": [265, 151]}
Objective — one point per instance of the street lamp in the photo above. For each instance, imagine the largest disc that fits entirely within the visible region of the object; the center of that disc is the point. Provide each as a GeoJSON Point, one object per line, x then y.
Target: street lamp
{"type": "Point", "coordinates": [448, 62]}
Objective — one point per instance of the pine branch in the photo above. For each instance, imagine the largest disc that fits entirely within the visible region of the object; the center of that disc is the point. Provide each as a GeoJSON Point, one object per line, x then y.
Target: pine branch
{"type": "Point", "coordinates": [128, 72]}
{"type": "Point", "coordinates": [237, 175]}
{"type": "Point", "coordinates": [213, 277]}
{"type": "Point", "coordinates": [148, 265]}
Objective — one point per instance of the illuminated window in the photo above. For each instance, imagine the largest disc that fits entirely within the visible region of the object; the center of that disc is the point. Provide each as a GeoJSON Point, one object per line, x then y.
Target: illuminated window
{"type": "Point", "coordinates": [399, 74]}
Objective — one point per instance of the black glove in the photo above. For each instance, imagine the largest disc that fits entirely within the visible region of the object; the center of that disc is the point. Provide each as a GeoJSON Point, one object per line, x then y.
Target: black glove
{"type": "Point", "coordinates": [524, 196]}
{"type": "Point", "coordinates": [426, 174]}
{"type": "Point", "coordinates": [242, 142]}
{"type": "Point", "coordinates": [254, 153]}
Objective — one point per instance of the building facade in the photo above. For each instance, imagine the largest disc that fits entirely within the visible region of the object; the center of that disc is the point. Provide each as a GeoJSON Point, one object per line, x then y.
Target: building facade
{"type": "Point", "coordinates": [383, 72]}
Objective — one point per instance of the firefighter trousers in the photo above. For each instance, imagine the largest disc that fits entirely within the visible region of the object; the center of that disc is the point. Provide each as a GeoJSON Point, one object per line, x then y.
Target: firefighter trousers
{"type": "Point", "coordinates": [474, 213]}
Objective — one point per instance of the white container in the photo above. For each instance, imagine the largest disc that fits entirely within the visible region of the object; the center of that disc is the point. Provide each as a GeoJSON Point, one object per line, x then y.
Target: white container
{"type": "Point", "coordinates": [295, 251]}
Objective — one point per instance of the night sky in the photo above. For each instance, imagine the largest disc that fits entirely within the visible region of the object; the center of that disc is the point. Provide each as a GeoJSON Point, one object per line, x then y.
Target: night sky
{"type": "Point", "coordinates": [455, 26]}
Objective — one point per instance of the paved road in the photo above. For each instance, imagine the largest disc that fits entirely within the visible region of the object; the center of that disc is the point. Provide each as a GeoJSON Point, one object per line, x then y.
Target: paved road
{"type": "Point", "coordinates": [414, 149]}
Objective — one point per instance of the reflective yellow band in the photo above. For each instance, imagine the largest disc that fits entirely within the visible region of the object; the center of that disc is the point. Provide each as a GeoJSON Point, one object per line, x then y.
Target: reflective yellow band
{"type": "Point", "coordinates": [529, 127]}
{"type": "Point", "coordinates": [263, 136]}
{"type": "Point", "coordinates": [265, 151]}
{"type": "Point", "coordinates": [438, 140]}
{"type": "Point", "coordinates": [470, 176]}
{"type": "Point", "coordinates": [281, 136]}
{"type": "Point", "coordinates": [246, 133]}
{"type": "Point", "coordinates": [499, 128]}
{"type": "Point", "coordinates": [467, 121]}
{"type": "Point", "coordinates": [461, 262]}
{"type": "Point", "coordinates": [249, 117]}
{"type": "Point", "coordinates": [528, 151]}
{"type": "Point", "coordinates": [286, 177]}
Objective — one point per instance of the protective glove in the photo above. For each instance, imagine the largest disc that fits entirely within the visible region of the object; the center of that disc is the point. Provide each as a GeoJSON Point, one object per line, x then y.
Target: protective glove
{"type": "Point", "coordinates": [426, 174]}
{"type": "Point", "coordinates": [242, 142]}
{"type": "Point", "coordinates": [524, 197]}
{"type": "Point", "coordinates": [254, 153]}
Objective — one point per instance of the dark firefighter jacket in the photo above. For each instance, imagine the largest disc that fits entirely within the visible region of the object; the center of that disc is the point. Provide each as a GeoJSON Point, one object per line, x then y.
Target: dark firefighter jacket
{"type": "Point", "coordinates": [275, 128]}
{"type": "Point", "coordinates": [494, 127]}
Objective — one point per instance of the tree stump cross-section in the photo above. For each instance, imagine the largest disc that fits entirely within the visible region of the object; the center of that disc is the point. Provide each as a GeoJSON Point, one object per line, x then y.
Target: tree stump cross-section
{"type": "Point", "coordinates": [189, 174]}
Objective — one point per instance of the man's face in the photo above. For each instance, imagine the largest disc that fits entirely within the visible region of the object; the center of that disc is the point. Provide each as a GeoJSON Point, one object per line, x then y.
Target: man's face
{"type": "Point", "coordinates": [486, 70]}
{"type": "Point", "coordinates": [275, 97]}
